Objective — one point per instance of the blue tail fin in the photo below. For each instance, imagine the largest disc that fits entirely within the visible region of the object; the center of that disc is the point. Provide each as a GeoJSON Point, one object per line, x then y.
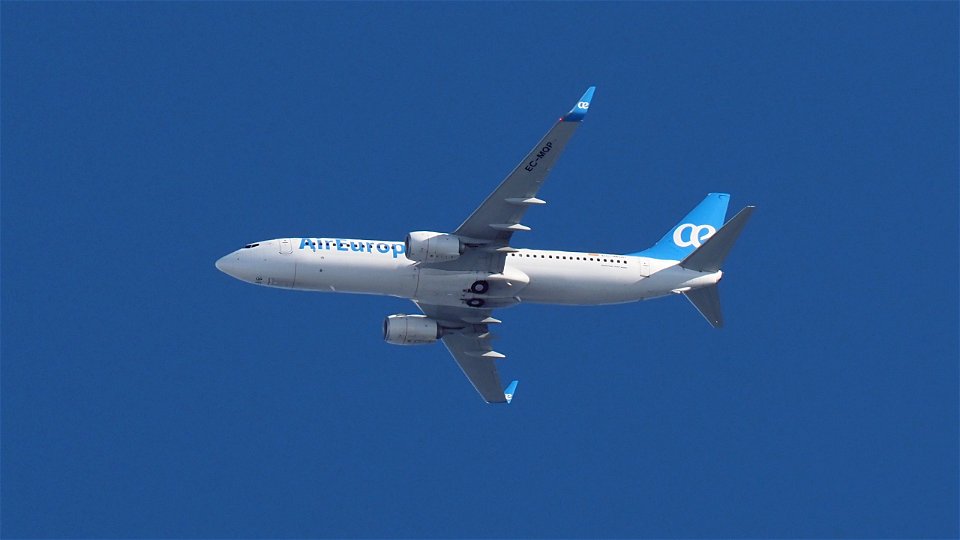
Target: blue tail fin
{"type": "Point", "coordinates": [692, 231]}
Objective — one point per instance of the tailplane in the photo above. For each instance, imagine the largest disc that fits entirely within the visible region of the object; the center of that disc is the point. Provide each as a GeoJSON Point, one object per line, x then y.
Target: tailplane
{"type": "Point", "coordinates": [701, 242]}
{"type": "Point", "coordinates": [707, 302]}
{"type": "Point", "coordinates": [710, 256]}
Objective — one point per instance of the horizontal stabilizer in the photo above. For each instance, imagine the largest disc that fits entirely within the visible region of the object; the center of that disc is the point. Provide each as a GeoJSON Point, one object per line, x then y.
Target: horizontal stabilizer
{"type": "Point", "coordinates": [710, 256]}
{"type": "Point", "coordinates": [707, 302]}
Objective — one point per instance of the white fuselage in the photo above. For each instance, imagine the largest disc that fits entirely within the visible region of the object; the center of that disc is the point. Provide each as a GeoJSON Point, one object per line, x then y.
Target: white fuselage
{"type": "Point", "coordinates": [533, 276]}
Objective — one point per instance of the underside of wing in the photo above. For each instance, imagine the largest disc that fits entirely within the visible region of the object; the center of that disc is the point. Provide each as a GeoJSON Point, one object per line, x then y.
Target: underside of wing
{"type": "Point", "coordinates": [484, 243]}
{"type": "Point", "coordinates": [466, 335]}
{"type": "Point", "coordinates": [477, 364]}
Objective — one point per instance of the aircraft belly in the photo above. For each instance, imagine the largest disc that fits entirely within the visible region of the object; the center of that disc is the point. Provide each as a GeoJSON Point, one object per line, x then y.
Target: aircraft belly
{"type": "Point", "coordinates": [575, 286]}
{"type": "Point", "coordinates": [457, 287]}
{"type": "Point", "coordinates": [445, 287]}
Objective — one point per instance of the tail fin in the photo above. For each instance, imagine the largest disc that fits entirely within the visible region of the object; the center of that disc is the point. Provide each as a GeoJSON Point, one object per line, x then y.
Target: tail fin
{"type": "Point", "coordinates": [710, 256]}
{"type": "Point", "coordinates": [688, 235]}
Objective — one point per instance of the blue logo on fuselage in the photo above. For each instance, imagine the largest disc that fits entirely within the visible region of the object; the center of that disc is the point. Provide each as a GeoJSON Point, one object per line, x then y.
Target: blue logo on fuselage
{"type": "Point", "coordinates": [359, 246]}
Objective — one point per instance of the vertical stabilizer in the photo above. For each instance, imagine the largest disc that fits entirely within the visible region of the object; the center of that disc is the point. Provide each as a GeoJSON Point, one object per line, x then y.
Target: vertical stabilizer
{"type": "Point", "coordinates": [692, 231]}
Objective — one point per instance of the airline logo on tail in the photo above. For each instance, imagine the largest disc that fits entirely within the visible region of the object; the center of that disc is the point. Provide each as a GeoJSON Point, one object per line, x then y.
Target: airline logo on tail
{"type": "Point", "coordinates": [692, 231]}
{"type": "Point", "coordinates": [696, 236]}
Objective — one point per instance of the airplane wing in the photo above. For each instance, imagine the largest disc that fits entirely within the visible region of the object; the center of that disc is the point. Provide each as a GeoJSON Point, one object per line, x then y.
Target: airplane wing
{"type": "Point", "coordinates": [495, 221]}
{"type": "Point", "coordinates": [481, 370]}
{"type": "Point", "coordinates": [487, 234]}
{"type": "Point", "coordinates": [469, 344]}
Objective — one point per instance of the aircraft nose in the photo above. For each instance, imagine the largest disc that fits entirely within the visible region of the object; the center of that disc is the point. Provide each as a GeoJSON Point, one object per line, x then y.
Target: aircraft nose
{"type": "Point", "coordinates": [227, 264]}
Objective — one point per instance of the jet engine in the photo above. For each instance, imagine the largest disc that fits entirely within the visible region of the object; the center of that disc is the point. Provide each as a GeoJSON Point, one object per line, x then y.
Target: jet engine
{"type": "Point", "coordinates": [410, 330]}
{"type": "Point", "coordinates": [426, 246]}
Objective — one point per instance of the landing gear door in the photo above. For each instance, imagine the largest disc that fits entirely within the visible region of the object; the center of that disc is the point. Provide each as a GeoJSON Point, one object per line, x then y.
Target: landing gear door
{"type": "Point", "coordinates": [286, 247]}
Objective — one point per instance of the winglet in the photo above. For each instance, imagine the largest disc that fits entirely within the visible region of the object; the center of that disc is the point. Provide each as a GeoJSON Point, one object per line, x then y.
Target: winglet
{"type": "Point", "coordinates": [510, 390]}
{"type": "Point", "coordinates": [579, 110]}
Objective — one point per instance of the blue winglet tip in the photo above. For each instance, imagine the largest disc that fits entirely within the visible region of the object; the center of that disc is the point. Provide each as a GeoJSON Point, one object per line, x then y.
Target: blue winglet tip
{"type": "Point", "coordinates": [510, 390]}
{"type": "Point", "coordinates": [579, 110]}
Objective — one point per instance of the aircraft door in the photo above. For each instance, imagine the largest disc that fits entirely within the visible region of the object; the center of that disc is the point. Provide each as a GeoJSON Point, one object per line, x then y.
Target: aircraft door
{"type": "Point", "coordinates": [286, 247]}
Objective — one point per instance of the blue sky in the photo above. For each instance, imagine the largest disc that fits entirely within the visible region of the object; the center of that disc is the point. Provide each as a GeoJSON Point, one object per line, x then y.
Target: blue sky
{"type": "Point", "coordinates": [145, 394]}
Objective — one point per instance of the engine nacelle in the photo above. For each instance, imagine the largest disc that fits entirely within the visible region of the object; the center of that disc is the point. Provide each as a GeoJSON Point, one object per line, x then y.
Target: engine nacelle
{"type": "Point", "coordinates": [426, 246]}
{"type": "Point", "coordinates": [410, 330]}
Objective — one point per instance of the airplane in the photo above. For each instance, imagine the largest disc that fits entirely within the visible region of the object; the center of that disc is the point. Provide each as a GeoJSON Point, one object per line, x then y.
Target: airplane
{"type": "Point", "coordinates": [458, 279]}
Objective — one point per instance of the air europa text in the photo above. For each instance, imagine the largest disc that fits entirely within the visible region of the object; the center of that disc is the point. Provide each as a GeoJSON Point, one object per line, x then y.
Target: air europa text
{"type": "Point", "coordinates": [357, 246]}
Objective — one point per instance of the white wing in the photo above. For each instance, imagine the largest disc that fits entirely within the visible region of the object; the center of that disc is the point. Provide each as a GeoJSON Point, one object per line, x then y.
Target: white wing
{"type": "Point", "coordinates": [495, 221]}
{"type": "Point", "coordinates": [467, 337]}
{"type": "Point", "coordinates": [487, 234]}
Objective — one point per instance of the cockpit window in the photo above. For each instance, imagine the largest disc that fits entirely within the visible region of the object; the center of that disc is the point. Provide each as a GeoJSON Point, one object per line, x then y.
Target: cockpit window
{"type": "Point", "coordinates": [248, 246]}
